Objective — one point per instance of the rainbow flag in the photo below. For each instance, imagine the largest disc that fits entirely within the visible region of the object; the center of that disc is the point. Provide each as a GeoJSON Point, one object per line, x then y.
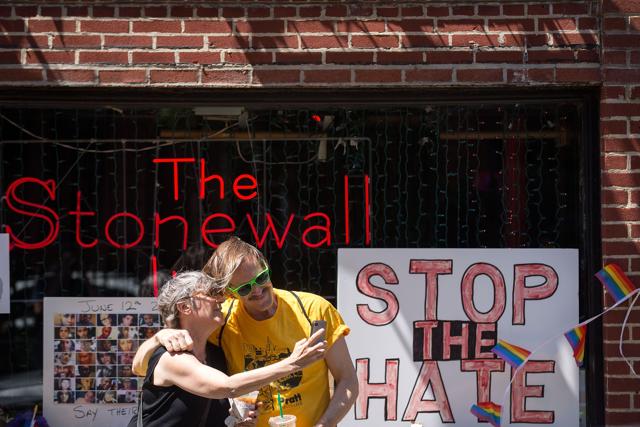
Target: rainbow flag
{"type": "Point", "coordinates": [576, 338]}
{"type": "Point", "coordinates": [487, 411]}
{"type": "Point", "coordinates": [512, 354]}
{"type": "Point", "coordinates": [616, 282]}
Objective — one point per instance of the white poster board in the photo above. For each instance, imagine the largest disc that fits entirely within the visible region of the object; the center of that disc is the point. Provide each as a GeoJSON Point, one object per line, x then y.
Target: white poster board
{"type": "Point", "coordinates": [88, 347]}
{"type": "Point", "coordinates": [5, 289]}
{"type": "Point", "coordinates": [423, 322]}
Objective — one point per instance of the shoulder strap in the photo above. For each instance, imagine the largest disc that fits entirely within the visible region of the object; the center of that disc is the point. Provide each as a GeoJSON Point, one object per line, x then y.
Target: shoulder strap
{"type": "Point", "coordinates": [139, 421]}
{"type": "Point", "coordinates": [301, 306]}
{"type": "Point", "coordinates": [226, 318]}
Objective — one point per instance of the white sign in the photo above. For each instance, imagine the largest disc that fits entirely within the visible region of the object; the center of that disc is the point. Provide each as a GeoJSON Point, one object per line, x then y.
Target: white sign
{"type": "Point", "coordinates": [423, 322]}
{"type": "Point", "coordinates": [5, 290]}
{"type": "Point", "coordinates": [88, 347]}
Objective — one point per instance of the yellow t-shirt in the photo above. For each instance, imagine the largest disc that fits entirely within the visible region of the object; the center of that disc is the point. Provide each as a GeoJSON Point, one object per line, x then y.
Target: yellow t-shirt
{"type": "Point", "coordinates": [250, 344]}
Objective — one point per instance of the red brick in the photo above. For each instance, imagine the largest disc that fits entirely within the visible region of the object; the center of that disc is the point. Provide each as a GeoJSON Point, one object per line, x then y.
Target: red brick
{"type": "Point", "coordinates": [248, 57]}
{"type": "Point", "coordinates": [310, 11]}
{"type": "Point", "coordinates": [41, 42]}
{"type": "Point", "coordinates": [233, 12]}
{"type": "Point", "coordinates": [199, 57]}
{"type": "Point", "coordinates": [206, 12]}
{"type": "Point", "coordinates": [470, 39]}
{"type": "Point", "coordinates": [156, 11]}
{"type": "Point", "coordinates": [585, 55]}
{"type": "Point", "coordinates": [463, 10]}
{"type": "Point", "coordinates": [621, 40]}
{"type": "Point", "coordinates": [551, 56]}
{"type": "Point", "coordinates": [609, 127]}
{"type": "Point", "coordinates": [586, 24]}
{"type": "Point", "coordinates": [612, 92]}
{"type": "Point", "coordinates": [621, 418]}
{"type": "Point", "coordinates": [627, 109]}
{"type": "Point", "coordinates": [399, 58]}
{"type": "Point", "coordinates": [538, 9]}
{"type": "Point", "coordinates": [365, 26]}
{"type": "Point", "coordinates": [13, 25]}
{"type": "Point", "coordinates": [513, 9]}
{"type": "Point", "coordinates": [557, 24]}
{"type": "Point", "coordinates": [536, 40]}
{"type": "Point", "coordinates": [79, 11]}
{"type": "Point", "coordinates": [621, 144]}
{"type": "Point", "coordinates": [622, 76]}
{"type": "Point", "coordinates": [570, 9]}
{"type": "Point", "coordinates": [634, 23]}
{"type": "Point", "coordinates": [378, 76]}
{"type": "Point", "coordinates": [181, 11]}
{"type": "Point", "coordinates": [257, 27]}
{"type": "Point", "coordinates": [327, 76]}
{"type": "Point", "coordinates": [208, 27]}
{"type": "Point", "coordinates": [532, 75]}
{"type": "Point", "coordinates": [621, 179]}
{"type": "Point", "coordinates": [429, 75]}
{"type": "Point", "coordinates": [103, 12]}
{"type": "Point", "coordinates": [122, 76]}
{"type": "Point", "coordinates": [569, 39]}
{"type": "Point", "coordinates": [371, 42]}
{"type": "Point", "coordinates": [52, 25]}
{"type": "Point", "coordinates": [335, 10]}
{"type": "Point", "coordinates": [634, 127]}
{"type": "Point", "coordinates": [615, 57]}
{"type": "Point", "coordinates": [615, 24]}
{"type": "Point", "coordinates": [578, 75]}
{"type": "Point", "coordinates": [388, 12]}
{"type": "Point", "coordinates": [452, 25]}
{"type": "Point", "coordinates": [310, 26]}
{"type": "Point", "coordinates": [479, 75]}
{"type": "Point", "coordinates": [635, 92]}
{"type": "Point", "coordinates": [261, 76]}
{"type": "Point", "coordinates": [30, 11]}
{"type": "Point", "coordinates": [13, 57]}
{"type": "Point", "coordinates": [106, 26]}
{"type": "Point", "coordinates": [51, 11]}
{"type": "Point", "coordinates": [20, 75]}
{"type": "Point", "coordinates": [258, 12]}
{"type": "Point", "coordinates": [129, 12]}
{"type": "Point", "coordinates": [174, 76]}
{"type": "Point", "coordinates": [103, 56]}
{"type": "Point", "coordinates": [128, 41]}
{"type": "Point", "coordinates": [500, 56]}
{"type": "Point", "coordinates": [284, 12]}
{"type": "Point", "coordinates": [76, 41]}
{"type": "Point", "coordinates": [5, 11]}
{"type": "Point", "coordinates": [425, 40]}
{"type": "Point", "coordinates": [617, 315]}
{"type": "Point", "coordinates": [318, 42]}
{"type": "Point", "coordinates": [156, 26]}
{"type": "Point", "coordinates": [450, 57]}
{"type": "Point", "coordinates": [622, 384]}
{"type": "Point", "coordinates": [50, 57]}
{"type": "Point", "coordinates": [226, 77]}
{"type": "Point", "coordinates": [407, 11]}
{"type": "Point", "coordinates": [228, 42]}
{"type": "Point", "coordinates": [71, 75]}
{"type": "Point", "coordinates": [360, 10]}
{"type": "Point", "coordinates": [153, 58]}
{"type": "Point", "coordinates": [436, 11]}
{"type": "Point", "coordinates": [614, 231]}
{"type": "Point", "coordinates": [275, 42]}
{"type": "Point", "coordinates": [619, 214]}
{"type": "Point", "coordinates": [484, 10]}
{"type": "Point", "coordinates": [349, 57]}
{"type": "Point", "coordinates": [180, 41]}
{"type": "Point", "coordinates": [511, 25]}
{"type": "Point", "coordinates": [298, 58]}
{"type": "Point", "coordinates": [635, 58]}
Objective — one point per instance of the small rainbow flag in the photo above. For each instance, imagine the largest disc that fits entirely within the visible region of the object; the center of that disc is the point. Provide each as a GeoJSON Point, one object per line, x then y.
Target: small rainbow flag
{"type": "Point", "coordinates": [576, 338]}
{"type": "Point", "coordinates": [487, 411]}
{"type": "Point", "coordinates": [512, 354]}
{"type": "Point", "coordinates": [616, 282]}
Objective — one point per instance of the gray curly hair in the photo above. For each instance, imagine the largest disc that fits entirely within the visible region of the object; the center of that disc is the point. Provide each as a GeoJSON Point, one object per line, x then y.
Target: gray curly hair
{"type": "Point", "coordinates": [181, 288]}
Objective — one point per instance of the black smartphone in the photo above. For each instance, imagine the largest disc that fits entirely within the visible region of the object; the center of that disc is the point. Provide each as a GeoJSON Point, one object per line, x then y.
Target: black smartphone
{"type": "Point", "coordinates": [317, 325]}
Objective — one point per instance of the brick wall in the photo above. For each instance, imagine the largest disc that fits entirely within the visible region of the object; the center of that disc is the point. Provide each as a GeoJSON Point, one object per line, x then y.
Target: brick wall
{"type": "Point", "coordinates": [620, 133]}
{"type": "Point", "coordinates": [368, 44]}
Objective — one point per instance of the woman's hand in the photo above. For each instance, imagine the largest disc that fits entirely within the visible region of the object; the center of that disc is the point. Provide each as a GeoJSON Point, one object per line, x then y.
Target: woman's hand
{"type": "Point", "coordinates": [308, 350]}
{"type": "Point", "coordinates": [174, 340]}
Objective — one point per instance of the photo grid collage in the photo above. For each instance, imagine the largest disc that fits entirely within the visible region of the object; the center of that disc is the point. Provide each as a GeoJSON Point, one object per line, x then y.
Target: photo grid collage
{"type": "Point", "coordinates": [93, 355]}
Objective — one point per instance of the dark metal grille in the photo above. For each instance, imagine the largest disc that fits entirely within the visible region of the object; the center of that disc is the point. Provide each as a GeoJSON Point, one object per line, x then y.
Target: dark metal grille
{"type": "Point", "coordinates": [495, 175]}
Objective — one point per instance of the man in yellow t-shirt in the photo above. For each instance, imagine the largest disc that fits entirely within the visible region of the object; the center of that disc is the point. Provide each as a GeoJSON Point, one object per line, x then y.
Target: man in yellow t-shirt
{"type": "Point", "coordinates": [262, 326]}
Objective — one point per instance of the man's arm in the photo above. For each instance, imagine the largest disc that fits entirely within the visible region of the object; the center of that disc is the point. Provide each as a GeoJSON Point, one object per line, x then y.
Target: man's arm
{"type": "Point", "coordinates": [339, 362]}
{"type": "Point", "coordinates": [174, 340]}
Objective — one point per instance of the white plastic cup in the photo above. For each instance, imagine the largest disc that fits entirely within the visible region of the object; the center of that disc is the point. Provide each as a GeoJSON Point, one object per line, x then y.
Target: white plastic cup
{"type": "Point", "coordinates": [245, 403]}
{"type": "Point", "coordinates": [283, 421]}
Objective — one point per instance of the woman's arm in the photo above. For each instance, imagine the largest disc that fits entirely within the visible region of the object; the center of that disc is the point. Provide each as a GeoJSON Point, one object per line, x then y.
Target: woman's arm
{"type": "Point", "coordinates": [186, 371]}
{"type": "Point", "coordinates": [172, 339]}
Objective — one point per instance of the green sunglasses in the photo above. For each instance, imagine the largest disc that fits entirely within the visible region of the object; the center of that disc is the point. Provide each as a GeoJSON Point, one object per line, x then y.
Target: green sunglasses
{"type": "Point", "coordinates": [245, 289]}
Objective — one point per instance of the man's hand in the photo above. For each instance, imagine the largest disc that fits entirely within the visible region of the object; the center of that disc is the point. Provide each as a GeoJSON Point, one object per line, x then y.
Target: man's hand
{"type": "Point", "coordinates": [174, 340]}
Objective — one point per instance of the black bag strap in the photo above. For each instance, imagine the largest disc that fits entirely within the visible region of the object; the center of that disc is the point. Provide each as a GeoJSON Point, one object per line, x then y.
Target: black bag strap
{"type": "Point", "coordinates": [226, 318]}
{"type": "Point", "coordinates": [301, 306]}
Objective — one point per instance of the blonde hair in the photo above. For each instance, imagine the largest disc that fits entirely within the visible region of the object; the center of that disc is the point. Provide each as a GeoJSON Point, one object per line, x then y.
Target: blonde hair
{"type": "Point", "coordinates": [228, 257]}
{"type": "Point", "coordinates": [180, 288]}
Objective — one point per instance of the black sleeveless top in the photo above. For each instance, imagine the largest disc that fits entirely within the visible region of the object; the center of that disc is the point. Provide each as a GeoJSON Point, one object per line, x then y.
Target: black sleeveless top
{"type": "Point", "coordinates": [173, 406]}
